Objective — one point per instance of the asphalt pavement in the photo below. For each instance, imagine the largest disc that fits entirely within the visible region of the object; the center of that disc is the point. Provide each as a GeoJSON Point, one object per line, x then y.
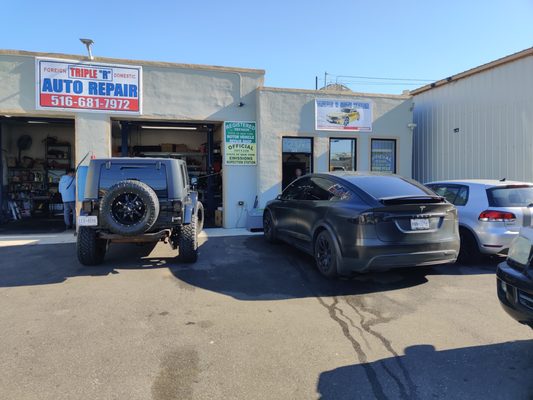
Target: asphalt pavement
{"type": "Point", "coordinates": [250, 320]}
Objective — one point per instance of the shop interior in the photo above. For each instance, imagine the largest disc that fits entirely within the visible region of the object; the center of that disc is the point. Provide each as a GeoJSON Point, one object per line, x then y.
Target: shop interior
{"type": "Point", "coordinates": [196, 143]}
{"type": "Point", "coordinates": [36, 152]}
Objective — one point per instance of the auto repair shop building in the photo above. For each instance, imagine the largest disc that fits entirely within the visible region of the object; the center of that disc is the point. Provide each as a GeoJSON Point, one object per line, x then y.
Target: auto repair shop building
{"type": "Point", "coordinates": [243, 141]}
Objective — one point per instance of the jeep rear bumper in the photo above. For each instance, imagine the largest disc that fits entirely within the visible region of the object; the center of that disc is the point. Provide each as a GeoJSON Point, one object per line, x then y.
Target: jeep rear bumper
{"type": "Point", "coordinates": [144, 238]}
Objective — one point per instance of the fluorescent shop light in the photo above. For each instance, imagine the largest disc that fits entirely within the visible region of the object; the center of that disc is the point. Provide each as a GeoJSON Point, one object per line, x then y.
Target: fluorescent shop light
{"type": "Point", "coordinates": [176, 128]}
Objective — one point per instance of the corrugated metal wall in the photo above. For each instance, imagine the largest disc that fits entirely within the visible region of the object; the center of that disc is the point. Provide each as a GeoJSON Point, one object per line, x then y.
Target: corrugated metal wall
{"type": "Point", "coordinates": [493, 111]}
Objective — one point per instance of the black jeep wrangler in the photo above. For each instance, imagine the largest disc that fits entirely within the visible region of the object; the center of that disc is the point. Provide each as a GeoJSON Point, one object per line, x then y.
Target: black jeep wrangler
{"type": "Point", "coordinates": [138, 200]}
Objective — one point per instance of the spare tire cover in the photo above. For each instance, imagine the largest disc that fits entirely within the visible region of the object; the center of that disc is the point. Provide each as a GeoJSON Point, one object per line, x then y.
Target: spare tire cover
{"type": "Point", "coordinates": [129, 207]}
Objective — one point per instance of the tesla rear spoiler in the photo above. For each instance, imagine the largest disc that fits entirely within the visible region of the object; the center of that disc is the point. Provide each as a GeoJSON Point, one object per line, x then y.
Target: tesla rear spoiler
{"type": "Point", "coordinates": [411, 200]}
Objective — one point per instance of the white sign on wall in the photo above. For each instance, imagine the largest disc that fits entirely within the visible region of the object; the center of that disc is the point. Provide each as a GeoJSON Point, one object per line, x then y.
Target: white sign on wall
{"type": "Point", "coordinates": [343, 115]}
{"type": "Point", "coordinates": [87, 86]}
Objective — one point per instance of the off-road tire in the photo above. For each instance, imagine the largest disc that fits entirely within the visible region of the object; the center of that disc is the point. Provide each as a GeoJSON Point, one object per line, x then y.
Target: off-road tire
{"type": "Point", "coordinates": [325, 253]}
{"type": "Point", "coordinates": [269, 230]}
{"type": "Point", "coordinates": [144, 193]}
{"type": "Point", "coordinates": [188, 241]}
{"type": "Point", "coordinates": [90, 249]}
{"type": "Point", "coordinates": [200, 217]}
{"type": "Point", "coordinates": [469, 253]}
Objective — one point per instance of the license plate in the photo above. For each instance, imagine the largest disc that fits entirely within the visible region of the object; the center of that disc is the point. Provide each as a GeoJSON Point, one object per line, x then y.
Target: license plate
{"type": "Point", "coordinates": [419, 224]}
{"type": "Point", "coordinates": [87, 220]}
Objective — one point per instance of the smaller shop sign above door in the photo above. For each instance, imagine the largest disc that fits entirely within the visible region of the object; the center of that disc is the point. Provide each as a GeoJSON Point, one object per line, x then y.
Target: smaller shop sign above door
{"type": "Point", "coordinates": [240, 143]}
{"type": "Point", "coordinates": [343, 115]}
{"type": "Point", "coordinates": [87, 86]}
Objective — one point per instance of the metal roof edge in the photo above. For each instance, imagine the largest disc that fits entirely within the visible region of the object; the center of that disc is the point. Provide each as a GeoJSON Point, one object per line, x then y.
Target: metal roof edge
{"type": "Point", "coordinates": [484, 67]}
{"type": "Point", "coordinates": [163, 64]}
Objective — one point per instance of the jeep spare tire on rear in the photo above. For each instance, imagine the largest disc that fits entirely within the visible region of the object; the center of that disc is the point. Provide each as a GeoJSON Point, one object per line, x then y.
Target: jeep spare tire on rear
{"type": "Point", "coordinates": [129, 208]}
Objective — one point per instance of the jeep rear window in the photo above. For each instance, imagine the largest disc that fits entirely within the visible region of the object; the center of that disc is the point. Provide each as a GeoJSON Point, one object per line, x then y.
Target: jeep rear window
{"type": "Point", "coordinates": [154, 175]}
{"type": "Point", "coordinates": [510, 196]}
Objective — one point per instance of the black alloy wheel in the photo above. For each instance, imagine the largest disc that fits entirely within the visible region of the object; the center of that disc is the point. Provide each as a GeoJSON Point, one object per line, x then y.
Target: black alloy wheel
{"type": "Point", "coordinates": [268, 228]}
{"type": "Point", "coordinates": [128, 209]}
{"type": "Point", "coordinates": [326, 255]}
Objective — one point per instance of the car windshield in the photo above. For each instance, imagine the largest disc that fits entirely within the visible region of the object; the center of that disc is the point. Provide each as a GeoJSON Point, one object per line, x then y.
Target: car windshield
{"type": "Point", "coordinates": [510, 196]}
{"type": "Point", "coordinates": [381, 187]}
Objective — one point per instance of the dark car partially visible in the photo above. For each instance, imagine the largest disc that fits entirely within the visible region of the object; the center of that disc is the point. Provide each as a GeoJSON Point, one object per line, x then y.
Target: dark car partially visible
{"type": "Point", "coordinates": [515, 279]}
{"type": "Point", "coordinates": [358, 222]}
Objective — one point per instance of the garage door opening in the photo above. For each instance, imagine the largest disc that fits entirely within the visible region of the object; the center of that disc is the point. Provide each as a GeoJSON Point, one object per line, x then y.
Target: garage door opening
{"type": "Point", "coordinates": [36, 153]}
{"type": "Point", "coordinates": [199, 144]}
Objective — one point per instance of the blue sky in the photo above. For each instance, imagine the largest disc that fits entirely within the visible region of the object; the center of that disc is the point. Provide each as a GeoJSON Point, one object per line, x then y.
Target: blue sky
{"type": "Point", "coordinates": [294, 41]}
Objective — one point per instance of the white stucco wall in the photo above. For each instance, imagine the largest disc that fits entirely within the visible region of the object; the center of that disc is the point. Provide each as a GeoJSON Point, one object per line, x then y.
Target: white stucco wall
{"type": "Point", "coordinates": [288, 112]}
{"type": "Point", "coordinates": [175, 92]}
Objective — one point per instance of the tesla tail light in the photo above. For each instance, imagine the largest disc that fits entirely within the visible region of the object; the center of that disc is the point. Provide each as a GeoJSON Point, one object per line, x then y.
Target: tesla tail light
{"type": "Point", "coordinates": [369, 218]}
{"type": "Point", "coordinates": [496, 216]}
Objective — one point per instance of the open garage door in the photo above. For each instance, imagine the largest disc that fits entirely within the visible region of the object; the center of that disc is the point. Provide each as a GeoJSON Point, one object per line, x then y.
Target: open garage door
{"type": "Point", "coordinates": [199, 144]}
{"type": "Point", "coordinates": [36, 153]}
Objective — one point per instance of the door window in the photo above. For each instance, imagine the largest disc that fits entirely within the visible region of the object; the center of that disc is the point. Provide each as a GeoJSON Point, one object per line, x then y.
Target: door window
{"type": "Point", "coordinates": [325, 189]}
{"type": "Point", "coordinates": [297, 158]}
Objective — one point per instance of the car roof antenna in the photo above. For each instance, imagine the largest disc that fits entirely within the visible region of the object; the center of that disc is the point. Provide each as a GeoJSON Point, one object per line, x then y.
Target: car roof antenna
{"type": "Point", "coordinates": [503, 179]}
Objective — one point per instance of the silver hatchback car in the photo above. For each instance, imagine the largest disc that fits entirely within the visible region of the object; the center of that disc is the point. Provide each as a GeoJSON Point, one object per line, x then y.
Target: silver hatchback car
{"type": "Point", "coordinates": [491, 213]}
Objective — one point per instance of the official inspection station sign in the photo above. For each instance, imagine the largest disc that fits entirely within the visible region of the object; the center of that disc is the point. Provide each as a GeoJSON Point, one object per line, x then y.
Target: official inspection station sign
{"type": "Point", "coordinates": [240, 143]}
{"type": "Point", "coordinates": [343, 115]}
{"type": "Point", "coordinates": [86, 86]}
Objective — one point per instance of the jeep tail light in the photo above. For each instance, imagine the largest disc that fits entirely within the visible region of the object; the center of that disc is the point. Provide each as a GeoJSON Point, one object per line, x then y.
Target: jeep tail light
{"type": "Point", "coordinates": [496, 216]}
{"type": "Point", "coordinates": [87, 206]}
{"type": "Point", "coordinates": [176, 205]}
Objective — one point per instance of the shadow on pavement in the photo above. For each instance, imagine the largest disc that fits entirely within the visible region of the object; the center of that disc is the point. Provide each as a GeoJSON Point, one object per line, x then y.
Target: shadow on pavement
{"type": "Point", "coordinates": [497, 371]}
{"type": "Point", "coordinates": [249, 268]}
{"type": "Point", "coordinates": [244, 267]}
{"type": "Point", "coordinates": [48, 264]}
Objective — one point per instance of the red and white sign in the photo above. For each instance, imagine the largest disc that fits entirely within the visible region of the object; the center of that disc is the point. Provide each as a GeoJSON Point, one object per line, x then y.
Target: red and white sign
{"type": "Point", "coordinates": [84, 86]}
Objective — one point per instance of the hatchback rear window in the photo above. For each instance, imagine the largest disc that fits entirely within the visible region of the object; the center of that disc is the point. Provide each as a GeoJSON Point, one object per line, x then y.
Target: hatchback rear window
{"type": "Point", "coordinates": [387, 186]}
{"type": "Point", "coordinates": [510, 196]}
{"type": "Point", "coordinates": [154, 175]}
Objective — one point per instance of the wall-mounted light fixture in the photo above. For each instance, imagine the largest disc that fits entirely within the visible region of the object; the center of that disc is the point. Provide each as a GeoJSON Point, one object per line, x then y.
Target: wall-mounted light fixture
{"type": "Point", "coordinates": [411, 125]}
{"type": "Point", "coordinates": [88, 43]}
{"type": "Point", "coordinates": [240, 104]}
{"type": "Point", "coordinates": [455, 130]}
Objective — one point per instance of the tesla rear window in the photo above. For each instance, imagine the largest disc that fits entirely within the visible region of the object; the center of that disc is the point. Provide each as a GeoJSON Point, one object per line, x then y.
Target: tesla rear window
{"type": "Point", "coordinates": [386, 186]}
{"type": "Point", "coordinates": [153, 175]}
{"type": "Point", "coordinates": [510, 196]}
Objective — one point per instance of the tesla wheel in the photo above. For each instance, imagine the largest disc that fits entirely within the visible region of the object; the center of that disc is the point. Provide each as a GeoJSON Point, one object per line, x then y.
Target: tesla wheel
{"type": "Point", "coordinates": [469, 252]}
{"type": "Point", "coordinates": [346, 121]}
{"type": "Point", "coordinates": [268, 228]}
{"type": "Point", "coordinates": [326, 254]}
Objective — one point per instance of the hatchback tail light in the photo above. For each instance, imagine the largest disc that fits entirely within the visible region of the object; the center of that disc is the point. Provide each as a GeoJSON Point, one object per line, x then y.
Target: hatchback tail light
{"type": "Point", "coordinates": [496, 216]}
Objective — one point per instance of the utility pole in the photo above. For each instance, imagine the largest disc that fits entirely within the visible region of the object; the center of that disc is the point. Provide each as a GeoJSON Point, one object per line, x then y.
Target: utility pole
{"type": "Point", "coordinates": [316, 82]}
{"type": "Point", "coordinates": [325, 79]}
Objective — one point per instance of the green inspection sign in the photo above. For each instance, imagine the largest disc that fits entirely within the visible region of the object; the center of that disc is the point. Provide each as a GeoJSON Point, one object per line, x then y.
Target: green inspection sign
{"type": "Point", "coordinates": [240, 143]}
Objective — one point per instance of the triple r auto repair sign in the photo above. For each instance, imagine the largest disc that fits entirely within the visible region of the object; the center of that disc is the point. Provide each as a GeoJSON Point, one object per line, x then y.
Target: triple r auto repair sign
{"type": "Point", "coordinates": [86, 86]}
